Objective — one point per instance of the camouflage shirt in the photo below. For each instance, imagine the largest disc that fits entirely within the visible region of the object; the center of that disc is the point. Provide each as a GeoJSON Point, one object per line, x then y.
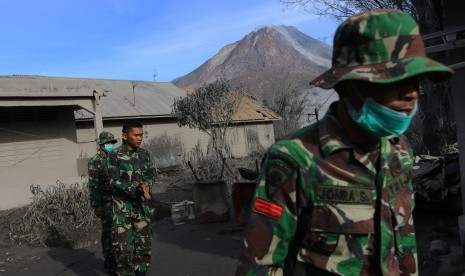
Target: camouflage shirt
{"type": "Point", "coordinates": [330, 210]}
{"type": "Point", "coordinates": [96, 178]}
{"type": "Point", "coordinates": [126, 169]}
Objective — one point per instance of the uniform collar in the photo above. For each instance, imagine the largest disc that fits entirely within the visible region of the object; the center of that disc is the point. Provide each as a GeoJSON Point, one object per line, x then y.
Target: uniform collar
{"type": "Point", "coordinates": [126, 151]}
{"type": "Point", "coordinates": [102, 153]}
{"type": "Point", "coordinates": [332, 134]}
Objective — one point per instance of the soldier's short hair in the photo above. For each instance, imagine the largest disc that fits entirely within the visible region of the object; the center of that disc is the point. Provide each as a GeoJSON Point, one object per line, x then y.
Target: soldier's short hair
{"type": "Point", "coordinates": [130, 124]}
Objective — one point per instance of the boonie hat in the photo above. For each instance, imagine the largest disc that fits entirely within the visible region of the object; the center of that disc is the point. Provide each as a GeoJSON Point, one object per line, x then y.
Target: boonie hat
{"type": "Point", "coordinates": [106, 137]}
{"type": "Point", "coordinates": [379, 46]}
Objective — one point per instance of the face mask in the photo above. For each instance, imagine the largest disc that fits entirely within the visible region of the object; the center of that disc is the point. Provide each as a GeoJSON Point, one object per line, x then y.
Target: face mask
{"type": "Point", "coordinates": [380, 121]}
{"type": "Point", "coordinates": [108, 147]}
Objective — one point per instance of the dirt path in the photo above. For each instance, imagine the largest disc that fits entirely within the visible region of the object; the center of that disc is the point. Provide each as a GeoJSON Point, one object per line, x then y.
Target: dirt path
{"type": "Point", "coordinates": [188, 249]}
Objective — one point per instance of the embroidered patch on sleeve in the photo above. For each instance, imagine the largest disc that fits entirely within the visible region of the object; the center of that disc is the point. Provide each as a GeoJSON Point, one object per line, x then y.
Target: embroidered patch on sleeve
{"type": "Point", "coordinates": [267, 208]}
{"type": "Point", "coordinates": [278, 174]}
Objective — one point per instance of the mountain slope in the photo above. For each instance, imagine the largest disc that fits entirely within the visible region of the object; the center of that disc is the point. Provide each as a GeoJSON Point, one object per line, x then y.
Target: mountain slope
{"type": "Point", "coordinates": [262, 57]}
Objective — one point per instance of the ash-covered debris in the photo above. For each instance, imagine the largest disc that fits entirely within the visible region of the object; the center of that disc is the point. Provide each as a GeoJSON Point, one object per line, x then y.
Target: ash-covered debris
{"type": "Point", "coordinates": [437, 178]}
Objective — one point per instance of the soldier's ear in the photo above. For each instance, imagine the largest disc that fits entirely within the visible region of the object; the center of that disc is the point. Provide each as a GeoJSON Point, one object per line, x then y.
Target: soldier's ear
{"type": "Point", "coordinates": [124, 136]}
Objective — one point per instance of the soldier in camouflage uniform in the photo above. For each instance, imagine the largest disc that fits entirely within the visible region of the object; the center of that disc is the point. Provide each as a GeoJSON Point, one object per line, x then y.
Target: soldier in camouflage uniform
{"type": "Point", "coordinates": [132, 173]}
{"type": "Point", "coordinates": [335, 197]}
{"type": "Point", "coordinates": [100, 194]}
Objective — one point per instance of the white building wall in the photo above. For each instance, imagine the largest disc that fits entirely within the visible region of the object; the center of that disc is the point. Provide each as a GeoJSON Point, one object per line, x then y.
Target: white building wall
{"type": "Point", "coordinates": [266, 134]}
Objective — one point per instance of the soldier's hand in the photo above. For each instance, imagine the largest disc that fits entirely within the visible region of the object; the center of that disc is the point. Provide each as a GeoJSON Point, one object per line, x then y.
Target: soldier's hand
{"type": "Point", "coordinates": [146, 189]}
{"type": "Point", "coordinates": [98, 212]}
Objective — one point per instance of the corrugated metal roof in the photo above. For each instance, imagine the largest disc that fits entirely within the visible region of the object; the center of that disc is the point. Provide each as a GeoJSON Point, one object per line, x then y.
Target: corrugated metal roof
{"type": "Point", "coordinates": [40, 86]}
{"type": "Point", "coordinates": [155, 99]}
{"type": "Point", "coordinates": [123, 98]}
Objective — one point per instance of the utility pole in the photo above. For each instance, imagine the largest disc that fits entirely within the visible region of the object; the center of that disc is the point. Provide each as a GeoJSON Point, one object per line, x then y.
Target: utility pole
{"type": "Point", "coordinates": [312, 114]}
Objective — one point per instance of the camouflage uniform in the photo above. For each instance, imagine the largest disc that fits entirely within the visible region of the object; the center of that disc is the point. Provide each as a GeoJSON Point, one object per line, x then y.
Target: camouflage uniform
{"type": "Point", "coordinates": [320, 207]}
{"type": "Point", "coordinates": [100, 193]}
{"type": "Point", "coordinates": [315, 177]}
{"type": "Point", "coordinates": [131, 212]}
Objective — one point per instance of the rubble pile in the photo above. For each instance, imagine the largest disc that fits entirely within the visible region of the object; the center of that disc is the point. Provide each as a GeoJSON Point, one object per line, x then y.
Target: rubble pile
{"type": "Point", "coordinates": [436, 179]}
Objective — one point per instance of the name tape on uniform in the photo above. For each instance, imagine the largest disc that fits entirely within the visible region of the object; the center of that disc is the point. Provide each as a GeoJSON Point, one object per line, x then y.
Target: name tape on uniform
{"type": "Point", "coordinates": [345, 195]}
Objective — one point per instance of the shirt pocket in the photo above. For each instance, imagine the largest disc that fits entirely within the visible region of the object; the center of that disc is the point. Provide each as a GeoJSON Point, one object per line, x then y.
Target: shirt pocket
{"type": "Point", "coordinates": [337, 232]}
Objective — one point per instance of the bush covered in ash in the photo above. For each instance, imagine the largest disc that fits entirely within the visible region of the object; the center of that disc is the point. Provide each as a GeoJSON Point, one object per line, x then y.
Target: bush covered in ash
{"type": "Point", "coordinates": [60, 215]}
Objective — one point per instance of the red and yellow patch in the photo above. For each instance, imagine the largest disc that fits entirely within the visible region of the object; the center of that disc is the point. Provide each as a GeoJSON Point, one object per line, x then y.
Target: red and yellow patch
{"type": "Point", "coordinates": [267, 208]}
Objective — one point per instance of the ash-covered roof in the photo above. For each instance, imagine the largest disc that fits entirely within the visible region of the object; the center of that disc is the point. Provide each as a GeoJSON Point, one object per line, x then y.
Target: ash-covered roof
{"type": "Point", "coordinates": [252, 110]}
{"type": "Point", "coordinates": [41, 86]}
{"type": "Point", "coordinates": [125, 98]}
{"type": "Point", "coordinates": [121, 98]}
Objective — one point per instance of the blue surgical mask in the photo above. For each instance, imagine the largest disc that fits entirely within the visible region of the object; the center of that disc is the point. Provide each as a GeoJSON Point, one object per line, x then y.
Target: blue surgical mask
{"type": "Point", "coordinates": [379, 120]}
{"type": "Point", "coordinates": [108, 147]}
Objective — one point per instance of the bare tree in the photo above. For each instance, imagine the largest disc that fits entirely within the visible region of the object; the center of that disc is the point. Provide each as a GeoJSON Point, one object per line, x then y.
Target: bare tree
{"type": "Point", "coordinates": [209, 108]}
{"type": "Point", "coordinates": [286, 97]}
{"type": "Point", "coordinates": [426, 12]}
{"type": "Point", "coordinates": [342, 9]}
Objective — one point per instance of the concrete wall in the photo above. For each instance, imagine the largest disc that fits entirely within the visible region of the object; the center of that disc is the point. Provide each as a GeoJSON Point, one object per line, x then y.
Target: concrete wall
{"type": "Point", "coordinates": [152, 129]}
{"type": "Point", "coordinates": [244, 139]}
{"type": "Point", "coordinates": [238, 137]}
{"type": "Point", "coordinates": [40, 151]}
{"type": "Point", "coordinates": [86, 136]}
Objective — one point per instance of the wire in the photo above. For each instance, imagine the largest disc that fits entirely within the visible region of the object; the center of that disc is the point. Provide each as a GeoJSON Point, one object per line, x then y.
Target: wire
{"type": "Point", "coordinates": [50, 139]}
{"type": "Point", "coordinates": [24, 133]}
{"type": "Point", "coordinates": [326, 100]}
{"type": "Point", "coordinates": [34, 152]}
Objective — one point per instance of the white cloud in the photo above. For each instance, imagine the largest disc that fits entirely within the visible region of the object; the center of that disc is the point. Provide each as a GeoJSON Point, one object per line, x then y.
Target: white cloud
{"type": "Point", "coordinates": [203, 37]}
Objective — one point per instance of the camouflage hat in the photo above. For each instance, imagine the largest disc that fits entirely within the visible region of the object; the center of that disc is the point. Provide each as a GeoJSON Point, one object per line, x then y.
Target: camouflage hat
{"type": "Point", "coordinates": [106, 137]}
{"type": "Point", "coordinates": [379, 46]}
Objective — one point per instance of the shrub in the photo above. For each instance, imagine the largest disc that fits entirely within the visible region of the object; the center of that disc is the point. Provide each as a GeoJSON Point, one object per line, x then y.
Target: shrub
{"type": "Point", "coordinates": [60, 215]}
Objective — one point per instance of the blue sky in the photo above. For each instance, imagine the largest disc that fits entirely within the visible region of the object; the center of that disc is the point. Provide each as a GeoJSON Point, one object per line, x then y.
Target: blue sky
{"type": "Point", "coordinates": [133, 39]}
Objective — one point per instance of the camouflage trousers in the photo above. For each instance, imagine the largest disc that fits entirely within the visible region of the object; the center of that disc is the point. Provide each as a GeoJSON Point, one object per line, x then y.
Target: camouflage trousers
{"type": "Point", "coordinates": [107, 237]}
{"type": "Point", "coordinates": [132, 236]}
